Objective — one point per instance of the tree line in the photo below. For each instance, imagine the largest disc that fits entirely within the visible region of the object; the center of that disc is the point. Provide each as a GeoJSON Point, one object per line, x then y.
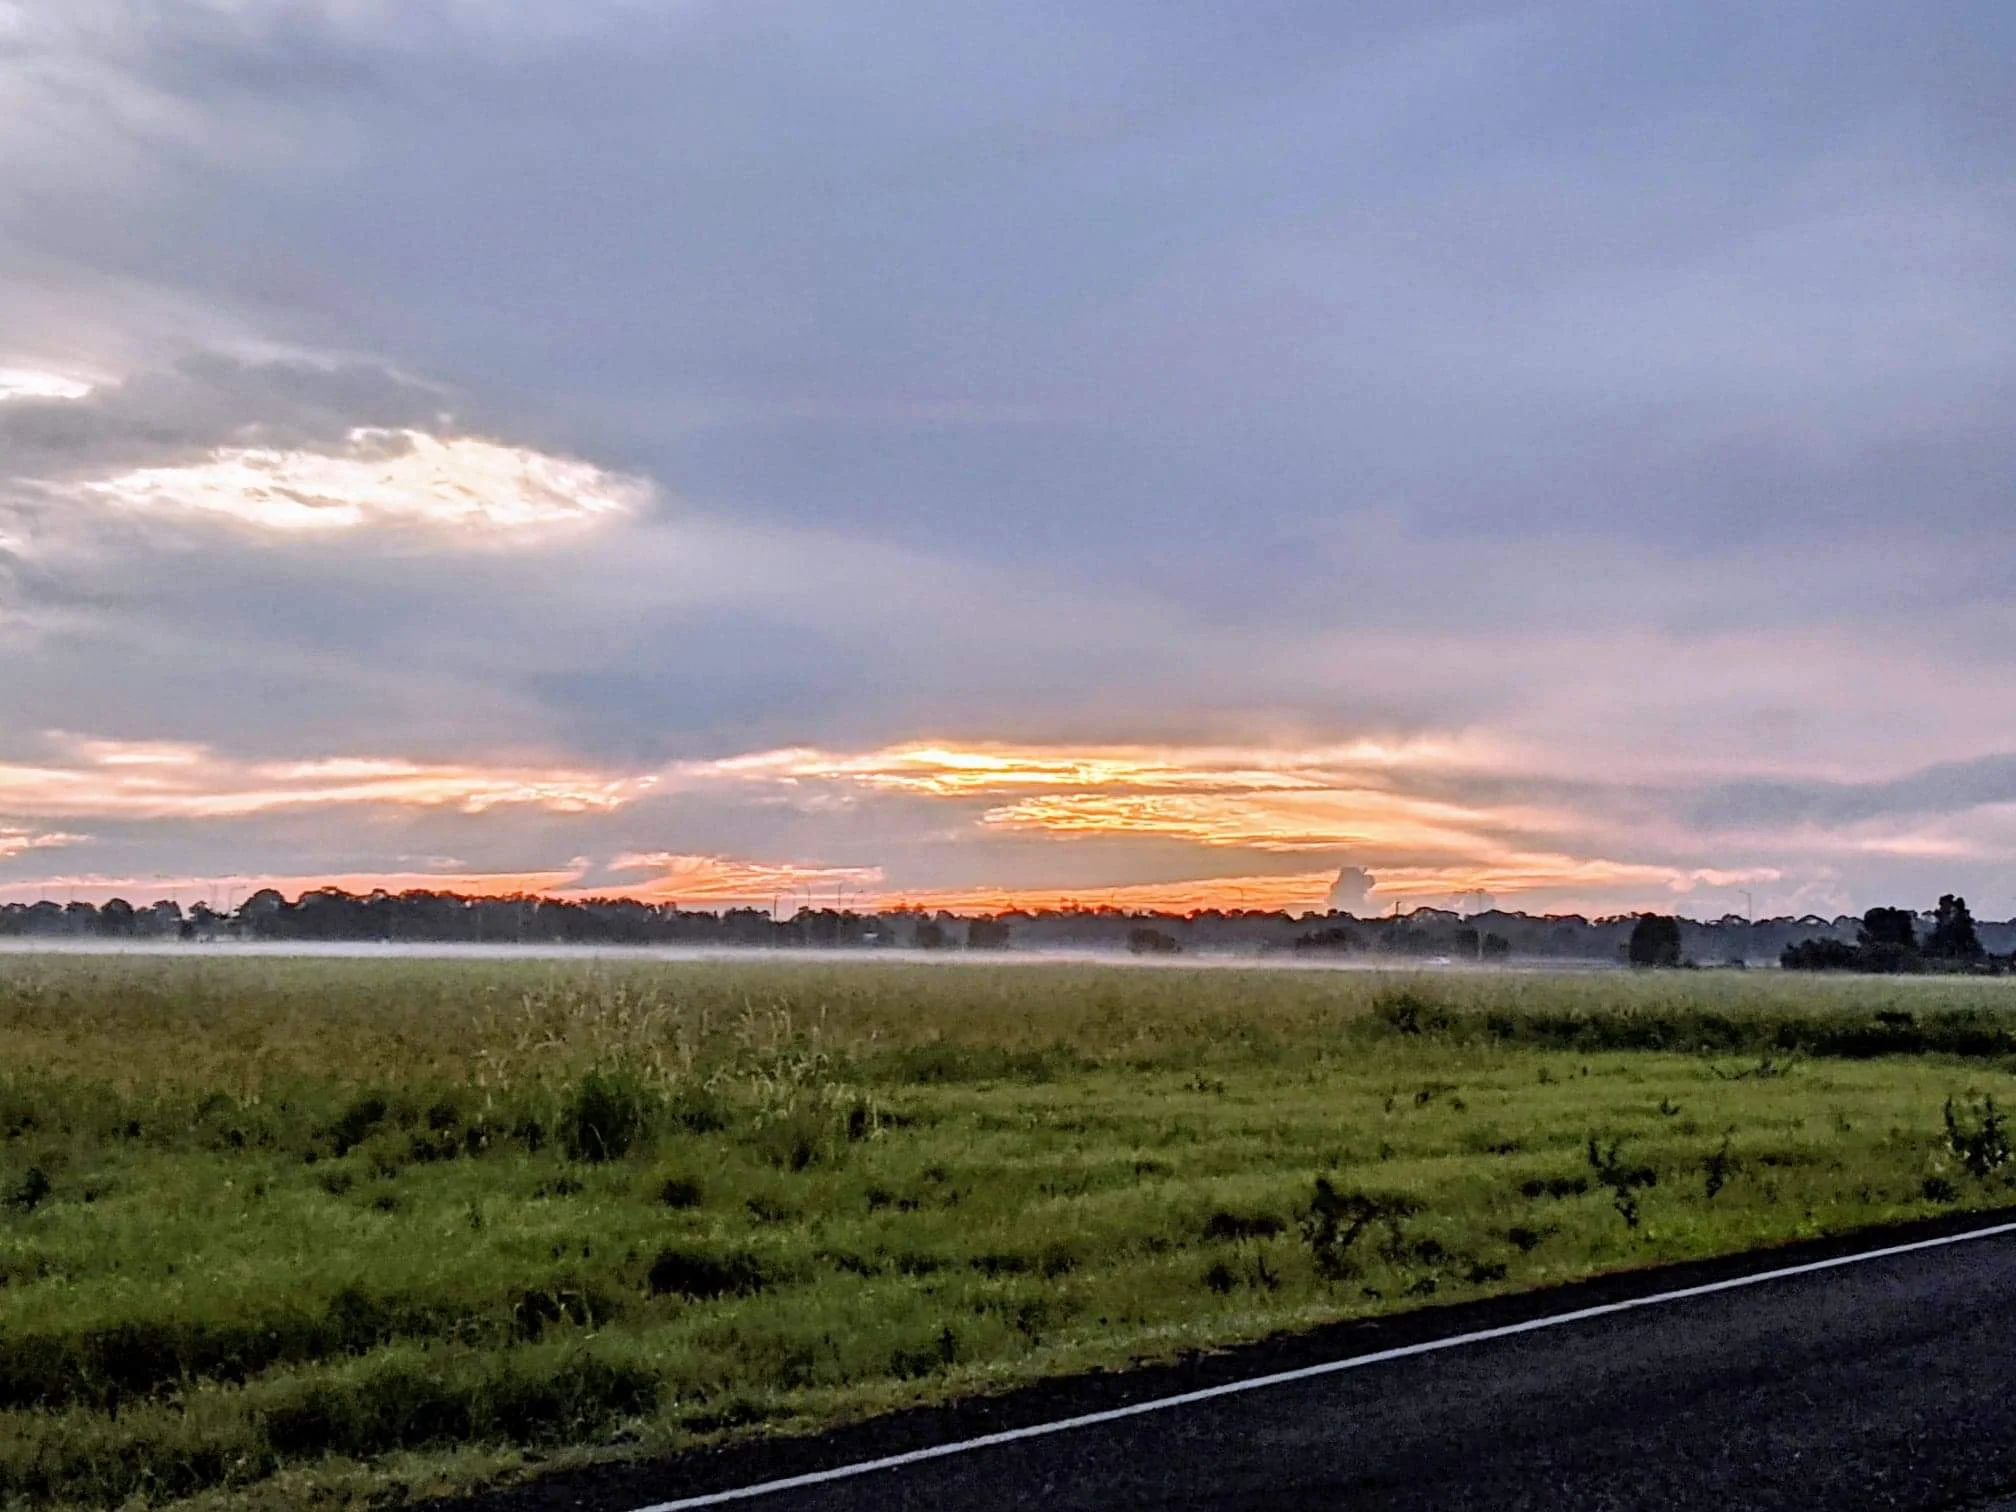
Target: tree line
{"type": "Point", "coordinates": [1884, 939]}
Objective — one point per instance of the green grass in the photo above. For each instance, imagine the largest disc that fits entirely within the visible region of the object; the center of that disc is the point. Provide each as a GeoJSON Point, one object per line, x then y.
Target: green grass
{"type": "Point", "coordinates": [296, 1233]}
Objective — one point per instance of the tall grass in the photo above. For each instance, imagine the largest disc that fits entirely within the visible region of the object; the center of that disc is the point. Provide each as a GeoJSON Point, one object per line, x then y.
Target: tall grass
{"type": "Point", "coordinates": [274, 1231]}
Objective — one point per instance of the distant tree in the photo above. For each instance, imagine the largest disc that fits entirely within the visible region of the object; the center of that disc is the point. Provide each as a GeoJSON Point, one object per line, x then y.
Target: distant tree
{"type": "Point", "coordinates": [1655, 941]}
{"type": "Point", "coordinates": [116, 917]}
{"type": "Point", "coordinates": [1496, 947]}
{"type": "Point", "coordinates": [986, 934]}
{"type": "Point", "coordinates": [1823, 954]}
{"type": "Point", "coordinates": [1145, 941]}
{"type": "Point", "coordinates": [1335, 937]}
{"type": "Point", "coordinates": [1952, 938]}
{"type": "Point", "coordinates": [1888, 940]}
{"type": "Point", "coordinates": [1890, 926]}
{"type": "Point", "coordinates": [928, 935]}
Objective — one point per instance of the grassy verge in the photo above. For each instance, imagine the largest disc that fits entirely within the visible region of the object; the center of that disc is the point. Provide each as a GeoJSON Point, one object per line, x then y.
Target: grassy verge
{"type": "Point", "coordinates": [296, 1233]}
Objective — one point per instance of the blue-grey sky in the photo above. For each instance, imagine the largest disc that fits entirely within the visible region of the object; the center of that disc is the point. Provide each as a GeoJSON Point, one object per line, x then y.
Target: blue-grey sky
{"type": "Point", "coordinates": [1163, 452]}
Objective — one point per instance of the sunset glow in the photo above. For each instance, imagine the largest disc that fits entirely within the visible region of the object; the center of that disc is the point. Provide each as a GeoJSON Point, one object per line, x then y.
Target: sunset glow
{"type": "Point", "coordinates": [1332, 806]}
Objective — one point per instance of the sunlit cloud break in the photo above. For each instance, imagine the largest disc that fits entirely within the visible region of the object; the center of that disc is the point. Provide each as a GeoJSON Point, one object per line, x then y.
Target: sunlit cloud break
{"type": "Point", "coordinates": [944, 770]}
{"type": "Point", "coordinates": [16, 842]}
{"type": "Point", "coordinates": [382, 478]}
{"type": "Point", "coordinates": [29, 383]}
{"type": "Point", "coordinates": [701, 879]}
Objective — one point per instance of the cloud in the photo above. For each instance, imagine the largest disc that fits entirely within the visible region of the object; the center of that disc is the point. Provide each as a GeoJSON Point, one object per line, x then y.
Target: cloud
{"type": "Point", "coordinates": [457, 484]}
{"type": "Point", "coordinates": [1562, 447]}
{"type": "Point", "coordinates": [27, 383]}
{"type": "Point", "coordinates": [161, 780]}
{"type": "Point", "coordinates": [15, 842]}
{"type": "Point", "coordinates": [702, 881]}
{"type": "Point", "coordinates": [1349, 892]}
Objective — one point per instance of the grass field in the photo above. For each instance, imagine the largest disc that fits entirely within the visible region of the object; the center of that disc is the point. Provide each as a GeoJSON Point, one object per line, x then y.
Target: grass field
{"type": "Point", "coordinates": [297, 1233]}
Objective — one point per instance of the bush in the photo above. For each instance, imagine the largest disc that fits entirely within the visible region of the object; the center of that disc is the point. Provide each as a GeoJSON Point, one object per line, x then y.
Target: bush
{"type": "Point", "coordinates": [1335, 1221]}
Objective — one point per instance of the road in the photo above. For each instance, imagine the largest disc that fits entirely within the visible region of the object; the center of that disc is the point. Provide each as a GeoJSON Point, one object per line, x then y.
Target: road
{"type": "Point", "coordinates": [1885, 1383]}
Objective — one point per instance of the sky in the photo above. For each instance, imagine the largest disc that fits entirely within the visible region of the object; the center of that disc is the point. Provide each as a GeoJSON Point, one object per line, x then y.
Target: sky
{"type": "Point", "coordinates": [1170, 454]}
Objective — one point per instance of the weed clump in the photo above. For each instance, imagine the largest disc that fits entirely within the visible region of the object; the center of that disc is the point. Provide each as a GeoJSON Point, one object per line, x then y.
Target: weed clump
{"type": "Point", "coordinates": [30, 1191]}
{"type": "Point", "coordinates": [1409, 1012]}
{"type": "Point", "coordinates": [1980, 1139]}
{"type": "Point", "coordinates": [1623, 1181]}
{"type": "Point", "coordinates": [608, 1114]}
{"type": "Point", "coordinates": [1557, 1187]}
{"type": "Point", "coordinates": [680, 1192]}
{"type": "Point", "coordinates": [356, 1123]}
{"type": "Point", "coordinates": [699, 1276]}
{"type": "Point", "coordinates": [1335, 1221]}
{"type": "Point", "coordinates": [1716, 1169]}
{"type": "Point", "coordinates": [1224, 1225]}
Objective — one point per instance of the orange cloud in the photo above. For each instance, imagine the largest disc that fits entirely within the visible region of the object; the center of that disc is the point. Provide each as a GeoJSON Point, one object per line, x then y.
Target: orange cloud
{"type": "Point", "coordinates": [1002, 770]}
{"type": "Point", "coordinates": [720, 879]}
{"type": "Point", "coordinates": [1299, 892]}
{"type": "Point", "coordinates": [162, 780]}
{"type": "Point", "coordinates": [223, 892]}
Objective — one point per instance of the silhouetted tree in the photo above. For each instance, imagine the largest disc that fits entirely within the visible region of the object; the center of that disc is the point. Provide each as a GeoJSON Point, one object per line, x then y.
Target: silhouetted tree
{"type": "Point", "coordinates": [1890, 926]}
{"type": "Point", "coordinates": [1888, 940]}
{"type": "Point", "coordinates": [1655, 941]}
{"type": "Point", "coordinates": [1953, 937]}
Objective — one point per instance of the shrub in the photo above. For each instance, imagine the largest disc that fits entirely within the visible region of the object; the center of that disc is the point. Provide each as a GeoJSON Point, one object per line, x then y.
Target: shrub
{"type": "Point", "coordinates": [356, 1123]}
{"type": "Point", "coordinates": [1334, 1221]}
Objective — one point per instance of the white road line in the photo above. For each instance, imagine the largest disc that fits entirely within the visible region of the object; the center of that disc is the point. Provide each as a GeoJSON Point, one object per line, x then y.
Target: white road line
{"type": "Point", "coordinates": [1307, 1372]}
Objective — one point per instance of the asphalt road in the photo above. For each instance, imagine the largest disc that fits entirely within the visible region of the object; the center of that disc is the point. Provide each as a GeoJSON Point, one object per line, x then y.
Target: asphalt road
{"type": "Point", "coordinates": [1890, 1383]}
